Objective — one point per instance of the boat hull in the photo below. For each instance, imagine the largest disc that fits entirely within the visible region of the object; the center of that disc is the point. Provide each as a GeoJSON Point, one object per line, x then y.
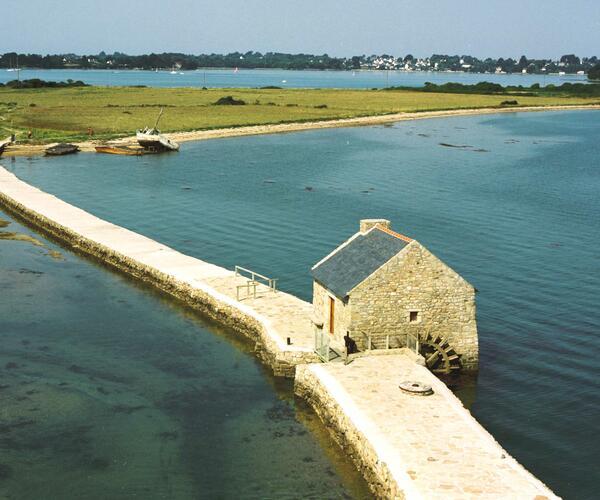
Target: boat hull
{"type": "Point", "coordinates": [61, 149]}
{"type": "Point", "coordinates": [120, 150]}
{"type": "Point", "coordinates": [156, 142]}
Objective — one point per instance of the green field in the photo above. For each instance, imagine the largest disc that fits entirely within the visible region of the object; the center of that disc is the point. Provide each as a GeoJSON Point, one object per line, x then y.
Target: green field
{"type": "Point", "coordinates": [66, 114]}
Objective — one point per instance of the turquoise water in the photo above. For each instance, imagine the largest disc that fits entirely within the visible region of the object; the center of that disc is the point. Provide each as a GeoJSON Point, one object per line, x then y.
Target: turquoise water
{"type": "Point", "coordinates": [110, 390]}
{"type": "Point", "coordinates": [515, 211]}
{"type": "Point", "coordinates": [283, 78]}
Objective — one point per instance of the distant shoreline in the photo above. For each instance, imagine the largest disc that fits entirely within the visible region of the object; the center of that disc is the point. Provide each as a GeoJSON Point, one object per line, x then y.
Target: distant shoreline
{"type": "Point", "coordinates": [320, 70]}
{"type": "Point", "coordinates": [222, 133]}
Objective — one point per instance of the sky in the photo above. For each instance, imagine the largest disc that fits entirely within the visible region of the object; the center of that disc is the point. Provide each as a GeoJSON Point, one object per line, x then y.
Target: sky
{"type": "Point", "coordinates": [507, 28]}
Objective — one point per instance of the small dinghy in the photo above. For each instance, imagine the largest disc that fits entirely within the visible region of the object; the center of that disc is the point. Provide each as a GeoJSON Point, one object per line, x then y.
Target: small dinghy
{"type": "Point", "coordinates": [152, 139]}
{"type": "Point", "coordinates": [62, 149]}
{"type": "Point", "coordinates": [120, 150]}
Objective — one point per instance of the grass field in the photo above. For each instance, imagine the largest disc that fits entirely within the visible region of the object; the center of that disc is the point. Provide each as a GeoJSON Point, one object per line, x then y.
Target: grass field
{"type": "Point", "coordinates": [65, 114]}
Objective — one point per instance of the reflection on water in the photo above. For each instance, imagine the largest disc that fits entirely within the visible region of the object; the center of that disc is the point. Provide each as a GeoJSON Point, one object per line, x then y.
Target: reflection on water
{"type": "Point", "coordinates": [515, 213]}
{"type": "Point", "coordinates": [110, 390]}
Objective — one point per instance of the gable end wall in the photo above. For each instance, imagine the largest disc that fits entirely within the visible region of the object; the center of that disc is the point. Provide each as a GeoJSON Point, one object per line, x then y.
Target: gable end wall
{"type": "Point", "coordinates": [416, 280]}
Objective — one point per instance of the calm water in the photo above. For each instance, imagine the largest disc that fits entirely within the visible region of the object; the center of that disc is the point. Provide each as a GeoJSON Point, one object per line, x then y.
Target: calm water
{"type": "Point", "coordinates": [109, 390]}
{"type": "Point", "coordinates": [516, 212]}
{"type": "Point", "coordinates": [282, 78]}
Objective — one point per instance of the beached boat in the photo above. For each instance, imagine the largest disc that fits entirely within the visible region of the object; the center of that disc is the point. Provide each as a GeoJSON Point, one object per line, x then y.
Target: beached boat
{"type": "Point", "coordinates": [61, 149]}
{"type": "Point", "coordinates": [120, 150]}
{"type": "Point", "coordinates": [152, 139]}
{"type": "Point", "coordinates": [5, 143]}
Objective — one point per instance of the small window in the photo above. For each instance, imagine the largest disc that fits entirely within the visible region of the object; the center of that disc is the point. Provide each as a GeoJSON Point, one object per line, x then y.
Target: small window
{"type": "Point", "coordinates": [413, 317]}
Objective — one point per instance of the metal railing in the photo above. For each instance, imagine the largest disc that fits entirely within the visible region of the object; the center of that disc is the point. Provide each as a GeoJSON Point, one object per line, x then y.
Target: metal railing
{"type": "Point", "coordinates": [322, 342]}
{"type": "Point", "coordinates": [410, 341]}
{"type": "Point", "coordinates": [253, 282]}
{"type": "Point", "coordinates": [249, 284]}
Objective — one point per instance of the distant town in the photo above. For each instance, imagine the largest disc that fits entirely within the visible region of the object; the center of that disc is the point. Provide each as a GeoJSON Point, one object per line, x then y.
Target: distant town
{"type": "Point", "coordinates": [566, 64]}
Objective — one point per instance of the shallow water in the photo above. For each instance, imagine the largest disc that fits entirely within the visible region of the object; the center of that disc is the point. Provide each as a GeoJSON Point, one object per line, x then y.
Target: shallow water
{"type": "Point", "coordinates": [110, 390]}
{"type": "Point", "coordinates": [515, 212]}
{"type": "Point", "coordinates": [228, 78]}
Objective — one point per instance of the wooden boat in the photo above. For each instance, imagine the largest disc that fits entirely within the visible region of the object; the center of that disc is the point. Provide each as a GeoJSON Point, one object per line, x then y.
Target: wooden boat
{"type": "Point", "coordinates": [151, 138]}
{"type": "Point", "coordinates": [62, 149]}
{"type": "Point", "coordinates": [120, 150]}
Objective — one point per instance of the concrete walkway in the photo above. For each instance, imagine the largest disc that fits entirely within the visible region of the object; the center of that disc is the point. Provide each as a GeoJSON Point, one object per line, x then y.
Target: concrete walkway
{"type": "Point", "coordinates": [426, 447]}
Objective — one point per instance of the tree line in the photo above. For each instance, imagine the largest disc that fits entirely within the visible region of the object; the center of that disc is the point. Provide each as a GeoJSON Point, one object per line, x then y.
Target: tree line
{"type": "Point", "coordinates": [569, 63]}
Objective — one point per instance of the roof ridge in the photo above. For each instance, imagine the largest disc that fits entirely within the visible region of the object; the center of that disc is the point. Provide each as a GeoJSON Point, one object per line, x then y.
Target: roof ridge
{"type": "Point", "coordinates": [394, 233]}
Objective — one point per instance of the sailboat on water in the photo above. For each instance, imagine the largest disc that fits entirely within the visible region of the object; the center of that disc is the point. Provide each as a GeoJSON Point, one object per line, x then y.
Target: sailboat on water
{"type": "Point", "coordinates": [15, 69]}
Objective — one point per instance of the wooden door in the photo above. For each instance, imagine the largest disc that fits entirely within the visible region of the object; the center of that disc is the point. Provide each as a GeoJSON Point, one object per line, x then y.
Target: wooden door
{"type": "Point", "coordinates": [331, 315]}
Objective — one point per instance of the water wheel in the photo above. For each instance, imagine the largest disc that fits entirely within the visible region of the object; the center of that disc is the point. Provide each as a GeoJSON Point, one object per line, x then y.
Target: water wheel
{"type": "Point", "coordinates": [440, 356]}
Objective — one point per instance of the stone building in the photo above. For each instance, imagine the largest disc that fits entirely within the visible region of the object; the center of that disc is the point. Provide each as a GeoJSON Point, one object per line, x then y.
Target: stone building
{"type": "Point", "coordinates": [386, 290]}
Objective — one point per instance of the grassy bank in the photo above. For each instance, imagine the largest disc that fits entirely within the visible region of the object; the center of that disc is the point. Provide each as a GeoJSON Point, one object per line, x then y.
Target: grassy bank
{"type": "Point", "coordinates": [66, 113]}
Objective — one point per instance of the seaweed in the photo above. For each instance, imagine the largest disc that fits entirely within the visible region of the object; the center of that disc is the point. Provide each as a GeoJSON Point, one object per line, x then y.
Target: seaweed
{"type": "Point", "coordinates": [74, 439]}
{"type": "Point", "coordinates": [24, 270]}
{"type": "Point", "coordinates": [168, 435]}
{"type": "Point", "coordinates": [460, 146]}
{"type": "Point", "coordinates": [99, 463]}
{"type": "Point", "coordinates": [6, 428]}
{"type": "Point", "coordinates": [6, 235]}
{"type": "Point", "coordinates": [5, 471]}
{"type": "Point", "coordinates": [97, 374]}
{"type": "Point", "coordinates": [280, 411]}
{"type": "Point", "coordinates": [128, 410]}
{"type": "Point", "coordinates": [55, 254]}
{"type": "Point", "coordinates": [177, 367]}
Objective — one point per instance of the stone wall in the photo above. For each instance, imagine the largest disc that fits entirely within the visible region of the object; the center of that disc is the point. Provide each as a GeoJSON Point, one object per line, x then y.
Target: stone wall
{"type": "Point", "coordinates": [353, 442]}
{"type": "Point", "coordinates": [416, 280]}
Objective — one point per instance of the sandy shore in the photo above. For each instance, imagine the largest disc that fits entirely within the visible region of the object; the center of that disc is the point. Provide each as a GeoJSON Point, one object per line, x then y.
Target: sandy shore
{"type": "Point", "coordinates": [199, 135]}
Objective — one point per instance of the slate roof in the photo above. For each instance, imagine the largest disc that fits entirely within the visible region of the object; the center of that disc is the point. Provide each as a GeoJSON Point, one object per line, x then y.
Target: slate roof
{"type": "Point", "coordinates": [358, 259]}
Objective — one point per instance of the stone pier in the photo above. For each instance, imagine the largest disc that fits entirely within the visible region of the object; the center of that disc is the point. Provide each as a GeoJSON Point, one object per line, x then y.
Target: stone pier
{"type": "Point", "coordinates": [411, 446]}
{"type": "Point", "coordinates": [406, 446]}
{"type": "Point", "coordinates": [269, 319]}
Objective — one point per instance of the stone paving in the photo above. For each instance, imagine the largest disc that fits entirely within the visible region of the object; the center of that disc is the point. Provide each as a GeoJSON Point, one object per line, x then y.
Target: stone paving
{"type": "Point", "coordinates": [431, 445]}
{"type": "Point", "coordinates": [288, 315]}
